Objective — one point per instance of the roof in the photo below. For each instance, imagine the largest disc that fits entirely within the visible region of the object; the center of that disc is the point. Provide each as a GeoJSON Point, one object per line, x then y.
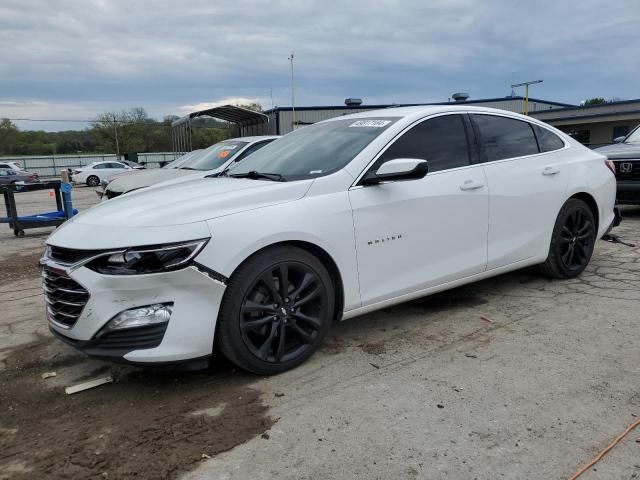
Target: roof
{"type": "Point", "coordinates": [396, 105]}
{"type": "Point", "coordinates": [229, 113]}
{"type": "Point", "coordinates": [421, 110]}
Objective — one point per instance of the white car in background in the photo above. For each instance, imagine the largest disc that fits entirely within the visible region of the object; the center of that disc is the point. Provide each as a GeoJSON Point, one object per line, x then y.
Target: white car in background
{"type": "Point", "coordinates": [93, 174]}
{"type": "Point", "coordinates": [213, 159]}
{"type": "Point", "coordinates": [333, 220]}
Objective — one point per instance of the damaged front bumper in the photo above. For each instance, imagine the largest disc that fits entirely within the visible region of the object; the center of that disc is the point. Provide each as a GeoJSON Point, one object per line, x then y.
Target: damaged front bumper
{"type": "Point", "coordinates": [81, 302]}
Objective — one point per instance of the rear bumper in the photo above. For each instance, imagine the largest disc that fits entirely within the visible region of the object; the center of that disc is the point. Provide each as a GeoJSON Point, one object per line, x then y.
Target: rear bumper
{"type": "Point", "coordinates": [617, 220]}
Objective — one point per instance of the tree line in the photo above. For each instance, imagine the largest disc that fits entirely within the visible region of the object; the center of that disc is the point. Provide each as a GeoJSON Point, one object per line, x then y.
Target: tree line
{"type": "Point", "coordinates": [110, 132]}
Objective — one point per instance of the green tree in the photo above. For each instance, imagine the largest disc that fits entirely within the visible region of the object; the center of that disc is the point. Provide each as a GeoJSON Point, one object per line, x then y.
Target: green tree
{"type": "Point", "coordinates": [595, 101]}
{"type": "Point", "coordinates": [8, 136]}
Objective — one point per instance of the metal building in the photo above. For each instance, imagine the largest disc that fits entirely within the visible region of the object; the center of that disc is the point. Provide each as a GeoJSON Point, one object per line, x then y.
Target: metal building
{"type": "Point", "coordinates": [281, 118]}
{"type": "Point", "coordinates": [595, 125]}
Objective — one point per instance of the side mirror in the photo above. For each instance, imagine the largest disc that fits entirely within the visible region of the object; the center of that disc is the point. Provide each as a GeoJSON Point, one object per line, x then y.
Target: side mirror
{"type": "Point", "coordinates": [619, 139]}
{"type": "Point", "coordinates": [398, 169]}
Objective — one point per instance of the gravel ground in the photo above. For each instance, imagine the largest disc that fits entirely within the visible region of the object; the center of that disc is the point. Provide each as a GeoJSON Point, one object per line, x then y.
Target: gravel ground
{"type": "Point", "coordinates": [516, 377]}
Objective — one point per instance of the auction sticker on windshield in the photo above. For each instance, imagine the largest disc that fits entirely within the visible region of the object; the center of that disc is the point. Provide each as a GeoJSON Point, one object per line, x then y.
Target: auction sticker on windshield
{"type": "Point", "coordinates": [370, 123]}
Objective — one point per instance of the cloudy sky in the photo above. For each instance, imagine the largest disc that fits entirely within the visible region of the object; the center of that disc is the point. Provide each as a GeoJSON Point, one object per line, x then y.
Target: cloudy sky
{"type": "Point", "coordinates": [66, 59]}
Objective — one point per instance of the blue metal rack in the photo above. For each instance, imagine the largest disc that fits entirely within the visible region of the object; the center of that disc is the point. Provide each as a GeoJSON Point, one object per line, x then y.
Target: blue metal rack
{"type": "Point", "coordinates": [64, 207]}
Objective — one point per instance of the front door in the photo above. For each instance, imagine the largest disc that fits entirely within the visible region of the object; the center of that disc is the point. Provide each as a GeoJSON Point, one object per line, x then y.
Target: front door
{"type": "Point", "coordinates": [416, 234]}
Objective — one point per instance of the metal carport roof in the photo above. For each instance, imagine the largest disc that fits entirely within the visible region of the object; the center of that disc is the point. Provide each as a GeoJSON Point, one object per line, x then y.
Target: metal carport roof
{"type": "Point", "coordinates": [249, 122]}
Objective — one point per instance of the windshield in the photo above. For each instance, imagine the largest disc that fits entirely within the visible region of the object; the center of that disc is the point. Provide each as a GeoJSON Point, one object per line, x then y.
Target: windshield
{"type": "Point", "coordinates": [315, 150]}
{"type": "Point", "coordinates": [214, 156]}
{"type": "Point", "coordinates": [182, 159]}
{"type": "Point", "coordinates": [633, 137]}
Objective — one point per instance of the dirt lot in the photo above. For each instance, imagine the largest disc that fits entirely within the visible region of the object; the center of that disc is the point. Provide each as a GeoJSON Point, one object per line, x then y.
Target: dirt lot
{"type": "Point", "coordinates": [516, 377]}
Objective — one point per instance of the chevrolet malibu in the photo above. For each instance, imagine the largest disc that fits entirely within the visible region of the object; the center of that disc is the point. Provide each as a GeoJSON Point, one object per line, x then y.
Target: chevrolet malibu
{"type": "Point", "coordinates": [332, 221]}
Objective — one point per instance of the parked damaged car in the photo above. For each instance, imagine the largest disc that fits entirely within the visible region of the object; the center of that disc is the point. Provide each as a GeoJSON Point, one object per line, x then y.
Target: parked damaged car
{"type": "Point", "coordinates": [334, 220]}
{"type": "Point", "coordinates": [625, 155]}
{"type": "Point", "coordinates": [212, 159]}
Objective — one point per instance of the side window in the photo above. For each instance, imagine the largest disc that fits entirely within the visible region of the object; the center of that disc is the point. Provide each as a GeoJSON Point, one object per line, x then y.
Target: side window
{"type": "Point", "coordinates": [547, 140]}
{"type": "Point", "coordinates": [4, 165]}
{"type": "Point", "coordinates": [99, 166]}
{"type": "Point", "coordinates": [253, 148]}
{"type": "Point", "coordinates": [441, 141]}
{"type": "Point", "coordinates": [504, 137]}
{"type": "Point", "coordinates": [117, 165]}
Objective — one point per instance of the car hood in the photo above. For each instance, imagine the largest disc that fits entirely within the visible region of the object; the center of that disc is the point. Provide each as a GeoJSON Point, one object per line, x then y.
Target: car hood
{"type": "Point", "coordinates": [171, 214]}
{"type": "Point", "coordinates": [620, 151]}
{"type": "Point", "coordinates": [143, 178]}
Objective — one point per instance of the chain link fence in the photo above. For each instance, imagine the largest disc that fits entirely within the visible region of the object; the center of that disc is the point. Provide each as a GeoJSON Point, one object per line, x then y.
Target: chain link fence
{"type": "Point", "coordinates": [49, 166]}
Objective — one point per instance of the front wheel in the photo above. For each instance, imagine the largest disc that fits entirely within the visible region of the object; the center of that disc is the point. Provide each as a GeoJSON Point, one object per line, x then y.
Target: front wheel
{"type": "Point", "coordinates": [278, 307]}
{"type": "Point", "coordinates": [572, 241]}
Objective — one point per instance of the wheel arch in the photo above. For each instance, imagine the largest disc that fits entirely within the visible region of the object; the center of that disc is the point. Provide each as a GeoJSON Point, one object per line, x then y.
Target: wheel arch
{"type": "Point", "coordinates": [321, 254]}
{"type": "Point", "coordinates": [591, 203]}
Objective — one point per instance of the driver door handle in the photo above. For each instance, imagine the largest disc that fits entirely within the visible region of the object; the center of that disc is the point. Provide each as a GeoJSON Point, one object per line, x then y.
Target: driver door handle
{"type": "Point", "coordinates": [550, 171]}
{"type": "Point", "coordinates": [471, 185]}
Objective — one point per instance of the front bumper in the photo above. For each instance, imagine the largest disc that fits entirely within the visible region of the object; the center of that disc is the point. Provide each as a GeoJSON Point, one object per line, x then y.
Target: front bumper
{"type": "Point", "coordinates": [628, 193]}
{"type": "Point", "coordinates": [188, 335]}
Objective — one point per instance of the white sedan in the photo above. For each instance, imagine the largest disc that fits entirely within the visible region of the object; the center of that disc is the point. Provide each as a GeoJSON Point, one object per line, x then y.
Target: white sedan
{"type": "Point", "coordinates": [332, 221]}
{"type": "Point", "coordinates": [93, 174]}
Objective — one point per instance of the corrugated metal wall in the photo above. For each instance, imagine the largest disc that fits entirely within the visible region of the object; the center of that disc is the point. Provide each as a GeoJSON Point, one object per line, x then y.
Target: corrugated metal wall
{"type": "Point", "coordinates": [283, 124]}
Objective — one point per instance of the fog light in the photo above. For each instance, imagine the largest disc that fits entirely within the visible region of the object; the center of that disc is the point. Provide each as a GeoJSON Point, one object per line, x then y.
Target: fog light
{"type": "Point", "coordinates": [141, 317]}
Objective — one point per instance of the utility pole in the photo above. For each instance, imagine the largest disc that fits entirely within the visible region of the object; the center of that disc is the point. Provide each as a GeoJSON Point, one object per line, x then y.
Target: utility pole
{"type": "Point", "coordinates": [293, 96]}
{"type": "Point", "coordinates": [115, 130]}
{"type": "Point", "coordinates": [526, 93]}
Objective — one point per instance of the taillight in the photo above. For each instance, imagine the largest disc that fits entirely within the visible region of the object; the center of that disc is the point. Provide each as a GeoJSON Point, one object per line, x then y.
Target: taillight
{"type": "Point", "coordinates": [610, 165]}
{"type": "Point", "coordinates": [31, 177]}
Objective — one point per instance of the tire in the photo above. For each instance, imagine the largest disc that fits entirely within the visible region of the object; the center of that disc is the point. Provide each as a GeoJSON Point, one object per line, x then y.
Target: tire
{"type": "Point", "coordinates": [572, 241]}
{"type": "Point", "coordinates": [93, 181]}
{"type": "Point", "coordinates": [267, 336]}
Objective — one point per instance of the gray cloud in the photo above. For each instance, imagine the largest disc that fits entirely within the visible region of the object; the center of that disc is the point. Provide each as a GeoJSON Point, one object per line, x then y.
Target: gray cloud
{"type": "Point", "coordinates": [68, 58]}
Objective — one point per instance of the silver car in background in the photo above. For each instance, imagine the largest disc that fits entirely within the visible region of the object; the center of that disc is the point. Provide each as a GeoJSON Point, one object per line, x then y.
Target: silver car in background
{"type": "Point", "coordinates": [213, 159]}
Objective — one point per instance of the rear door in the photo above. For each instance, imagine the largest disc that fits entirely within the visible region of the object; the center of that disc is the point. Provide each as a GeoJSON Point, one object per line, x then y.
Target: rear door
{"type": "Point", "coordinates": [527, 180]}
{"type": "Point", "coordinates": [412, 235]}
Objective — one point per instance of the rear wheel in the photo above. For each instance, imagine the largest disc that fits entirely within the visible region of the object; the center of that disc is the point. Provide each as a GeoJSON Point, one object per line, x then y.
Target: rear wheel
{"type": "Point", "coordinates": [93, 181]}
{"type": "Point", "coordinates": [572, 242]}
{"type": "Point", "coordinates": [277, 309]}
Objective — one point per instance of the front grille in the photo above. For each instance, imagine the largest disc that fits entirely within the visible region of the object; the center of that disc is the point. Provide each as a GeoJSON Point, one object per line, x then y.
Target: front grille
{"type": "Point", "coordinates": [69, 256]}
{"type": "Point", "coordinates": [111, 194]}
{"type": "Point", "coordinates": [64, 296]}
{"type": "Point", "coordinates": [131, 338]}
{"type": "Point", "coordinates": [631, 169]}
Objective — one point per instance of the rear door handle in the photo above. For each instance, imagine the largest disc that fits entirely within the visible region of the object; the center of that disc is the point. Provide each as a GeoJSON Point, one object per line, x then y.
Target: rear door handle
{"type": "Point", "coordinates": [550, 171]}
{"type": "Point", "coordinates": [471, 185]}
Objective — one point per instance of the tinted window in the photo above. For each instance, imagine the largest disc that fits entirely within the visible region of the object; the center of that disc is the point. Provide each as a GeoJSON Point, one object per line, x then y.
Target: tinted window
{"type": "Point", "coordinates": [256, 146]}
{"type": "Point", "coordinates": [547, 140]}
{"type": "Point", "coordinates": [100, 166]}
{"type": "Point", "coordinates": [505, 137]}
{"type": "Point", "coordinates": [441, 141]}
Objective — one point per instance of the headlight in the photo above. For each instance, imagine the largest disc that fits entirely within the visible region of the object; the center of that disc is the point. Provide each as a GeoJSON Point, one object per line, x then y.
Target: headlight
{"type": "Point", "coordinates": [141, 260]}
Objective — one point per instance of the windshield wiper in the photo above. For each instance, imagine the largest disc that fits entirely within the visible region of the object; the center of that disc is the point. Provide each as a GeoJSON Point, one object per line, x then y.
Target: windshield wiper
{"type": "Point", "coordinates": [253, 175]}
{"type": "Point", "coordinates": [188, 168]}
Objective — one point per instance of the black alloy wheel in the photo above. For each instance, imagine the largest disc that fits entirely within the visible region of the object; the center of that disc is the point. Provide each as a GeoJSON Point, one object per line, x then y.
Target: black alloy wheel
{"type": "Point", "coordinates": [576, 240]}
{"type": "Point", "coordinates": [282, 312]}
{"type": "Point", "coordinates": [572, 241]}
{"type": "Point", "coordinates": [276, 311]}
